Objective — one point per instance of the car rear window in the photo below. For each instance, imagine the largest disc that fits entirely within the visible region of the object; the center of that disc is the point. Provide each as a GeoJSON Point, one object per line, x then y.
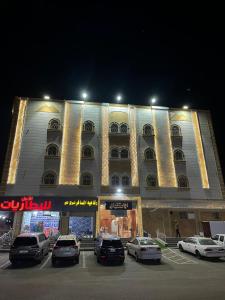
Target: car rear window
{"type": "Point", "coordinates": [65, 243]}
{"type": "Point", "coordinates": [112, 243]}
{"type": "Point", "coordinates": [207, 242]}
{"type": "Point", "coordinates": [146, 242]}
{"type": "Point", "coordinates": [25, 241]}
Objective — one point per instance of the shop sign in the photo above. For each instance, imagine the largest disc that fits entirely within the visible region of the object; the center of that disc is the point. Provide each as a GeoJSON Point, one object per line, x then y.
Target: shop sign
{"type": "Point", "coordinates": [118, 205]}
{"type": "Point", "coordinates": [25, 203]}
{"type": "Point", "coordinates": [81, 203]}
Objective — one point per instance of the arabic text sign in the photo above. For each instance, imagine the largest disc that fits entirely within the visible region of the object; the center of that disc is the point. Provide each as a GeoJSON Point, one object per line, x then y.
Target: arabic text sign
{"type": "Point", "coordinates": [78, 203]}
{"type": "Point", "coordinates": [118, 205]}
{"type": "Point", "coordinates": [24, 204]}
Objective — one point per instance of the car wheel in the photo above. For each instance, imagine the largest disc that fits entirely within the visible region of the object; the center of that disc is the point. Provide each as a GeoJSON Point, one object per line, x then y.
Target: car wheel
{"type": "Point", "coordinates": [198, 255]}
{"type": "Point", "coordinates": [41, 257]}
{"type": "Point", "coordinates": [77, 259]}
{"type": "Point", "coordinates": [137, 258]}
{"type": "Point", "coordinates": [158, 261]}
{"type": "Point", "coordinates": [53, 262]}
{"type": "Point", "coordinates": [181, 248]}
{"type": "Point", "coordinates": [13, 262]}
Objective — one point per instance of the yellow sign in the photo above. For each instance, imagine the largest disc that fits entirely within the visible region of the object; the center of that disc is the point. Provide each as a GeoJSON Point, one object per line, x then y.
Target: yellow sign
{"type": "Point", "coordinates": [81, 203]}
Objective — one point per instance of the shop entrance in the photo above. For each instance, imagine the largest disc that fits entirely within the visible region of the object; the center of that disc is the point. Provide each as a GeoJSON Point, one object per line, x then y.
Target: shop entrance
{"type": "Point", "coordinates": [41, 221]}
{"type": "Point", "coordinates": [81, 226]}
{"type": "Point", "coordinates": [117, 221]}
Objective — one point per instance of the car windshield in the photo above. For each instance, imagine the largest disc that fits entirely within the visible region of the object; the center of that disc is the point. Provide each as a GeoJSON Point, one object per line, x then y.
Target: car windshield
{"type": "Point", "coordinates": [146, 242]}
{"type": "Point", "coordinates": [25, 241]}
{"type": "Point", "coordinates": [65, 243]}
{"type": "Point", "coordinates": [207, 242]}
{"type": "Point", "coordinates": [112, 243]}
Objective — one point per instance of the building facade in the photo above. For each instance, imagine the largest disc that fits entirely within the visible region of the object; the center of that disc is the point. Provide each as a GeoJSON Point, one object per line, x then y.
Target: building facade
{"type": "Point", "coordinates": [87, 167]}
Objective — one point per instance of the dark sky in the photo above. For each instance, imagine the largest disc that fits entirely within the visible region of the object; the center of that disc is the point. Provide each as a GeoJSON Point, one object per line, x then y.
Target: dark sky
{"type": "Point", "coordinates": [174, 52]}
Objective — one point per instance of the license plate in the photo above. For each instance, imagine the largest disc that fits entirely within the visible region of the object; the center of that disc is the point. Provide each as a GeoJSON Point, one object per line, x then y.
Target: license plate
{"type": "Point", "coordinates": [112, 250]}
{"type": "Point", "coordinates": [23, 251]}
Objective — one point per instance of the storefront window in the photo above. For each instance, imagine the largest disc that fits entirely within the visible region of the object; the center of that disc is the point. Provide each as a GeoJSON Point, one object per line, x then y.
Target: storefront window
{"type": "Point", "coordinates": [81, 226]}
{"type": "Point", "coordinates": [118, 222]}
{"type": "Point", "coordinates": [41, 221]}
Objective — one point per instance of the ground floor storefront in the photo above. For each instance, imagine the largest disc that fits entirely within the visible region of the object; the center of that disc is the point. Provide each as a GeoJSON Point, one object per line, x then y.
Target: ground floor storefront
{"type": "Point", "coordinates": [125, 216]}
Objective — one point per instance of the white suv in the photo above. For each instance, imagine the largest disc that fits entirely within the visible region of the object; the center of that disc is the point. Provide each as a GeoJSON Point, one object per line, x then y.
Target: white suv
{"type": "Point", "coordinates": [67, 247]}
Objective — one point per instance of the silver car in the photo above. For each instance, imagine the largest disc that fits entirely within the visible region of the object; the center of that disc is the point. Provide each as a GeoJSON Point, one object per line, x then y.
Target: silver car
{"type": "Point", "coordinates": [67, 247]}
{"type": "Point", "coordinates": [144, 248]}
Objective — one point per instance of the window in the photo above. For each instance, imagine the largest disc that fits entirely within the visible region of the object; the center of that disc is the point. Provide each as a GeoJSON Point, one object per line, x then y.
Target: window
{"type": "Point", "coordinates": [125, 181]}
{"type": "Point", "coordinates": [114, 128]}
{"type": "Point", "coordinates": [115, 153]}
{"type": "Point", "coordinates": [148, 130]}
{"type": "Point", "coordinates": [182, 182]}
{"type": "Point", "coordinates": [88, 126]}
{"type": "Point", "coordinates": [87, 152]}
{"type": "Point", "coordinates": [221, 238]}
{"type": "Point", "coordinates": [52, 150]}
{"type": "Point", "coordinates": [115, 180]}
{"type": "Point", "coordinates": [124, 153]}
{"type": "Point", "coordinates": [49, 178]}
{"type": "Point", "coordinates": [54, 124]}
{"type": "Point", "coordinates": [175, 130]}
{"type": "Point", "coordinates": [86, 179]}
{"type": "Point", "coordinates": [124, 128]}
{"type": "Point", "coordinates": [149, 154]}
{"type": "Point", "coordinates": [179, 155]}
{"type": "Point", "coordinates": [183, 215]}
{"type": "Point", "coordinates": [151, 181]}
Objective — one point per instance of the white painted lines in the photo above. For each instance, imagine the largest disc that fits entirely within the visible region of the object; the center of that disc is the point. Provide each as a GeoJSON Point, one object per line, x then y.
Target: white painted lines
{"type": "Point", "coordinates": [84, 260]}
{"type": "Point", "coordinates": [46, 261]}
{"type": "Point", "coordinates": [177, 258]}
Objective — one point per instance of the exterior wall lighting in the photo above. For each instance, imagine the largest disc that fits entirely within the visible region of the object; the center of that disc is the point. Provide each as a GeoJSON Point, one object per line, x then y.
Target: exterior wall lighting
{"type": "Point", "coordinates": [153, 100]}
{"type": "Point", "coordinates": [119, 190]}
{"type": "Point", "coordinates": [118, 98]}
{"type": "Point", "coordinates": [185, 107]}
{"type": "Point", "coordinates": [46, 97]}
{"type": "Point", "coordinates": [84, 95]}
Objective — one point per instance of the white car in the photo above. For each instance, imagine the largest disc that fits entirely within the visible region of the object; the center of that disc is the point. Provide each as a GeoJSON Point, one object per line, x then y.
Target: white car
{"type": "Point", "coordinates": [220, 239]}
{"type": "Point", "coordinates": [144, 248]}
{"type": "Point", "coordinates": [67, 247]}
{"type": "Point", "coordinates": [201, 246]}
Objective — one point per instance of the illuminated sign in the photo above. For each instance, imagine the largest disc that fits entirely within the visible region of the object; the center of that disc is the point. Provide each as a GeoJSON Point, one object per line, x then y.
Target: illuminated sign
{"type": "Point", "coordinates": [25, 203]}
{"type": "Point", "coordinates": [47, 203]}
{"type": "Point", "coordinates": [81, 203]}
{"type": "Point", "coordinates": [118, 205]}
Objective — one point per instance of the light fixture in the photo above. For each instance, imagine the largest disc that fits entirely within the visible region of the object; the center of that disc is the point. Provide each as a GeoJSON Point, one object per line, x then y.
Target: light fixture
{"type": "Point", "coordinates": [185, 107]}
{"type": "Point", "coordinates": [84, 95]}
{"type": "Point", "coordinates": [153, 100]}
{"type": "Point", "coordinates": [46, 97]}
{"type": "Point", "coordinates": [119, 190]}
{"type": "Point", "coordinates": [119, 98]}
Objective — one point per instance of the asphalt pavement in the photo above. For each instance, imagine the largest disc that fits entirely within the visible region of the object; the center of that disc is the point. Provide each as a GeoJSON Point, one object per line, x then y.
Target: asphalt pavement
{"type": "Point", "coordinates": [179, 276]}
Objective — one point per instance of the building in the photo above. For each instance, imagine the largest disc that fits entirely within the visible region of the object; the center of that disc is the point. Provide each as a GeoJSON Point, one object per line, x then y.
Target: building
{"type": "Point", "coordinates": [89, 167]}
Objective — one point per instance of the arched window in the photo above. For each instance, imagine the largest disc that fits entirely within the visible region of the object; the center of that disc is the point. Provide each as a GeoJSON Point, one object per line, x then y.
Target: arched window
{"type": "Point", "coordinates": [54, 124]}
{"type": "Point", "coordinates": [178, 155]}
{"type": "Point", "coordinates": [124, 153]}
{"type": "Point", "coordinates": [148, 130]}
{"type": "Point", "coordinates": [151, 181]}
{"type": "Point", "coordinates": [125, 180]}
{"type": "Point", "coordinates": [49, 178]}
{"type": "Point", "coordinates": [86, 179]}
{"type": "Point", "coordinates": [175, 130]}
{"type": "Point", "coordinates": [115, 180]}
{"type": "Point", "coordinates": [124, 128]}
{"type": "Point", "coordinates": [115, 153]}
{"type": "Point", "coordinates": [114, 128]}
{"type": "Point", "coordinates": [88, 126]}
{"type": "Point", "coordinates": [182, 181]}
{"type": "Point", "coordinates": [149, 154]}
{"type": "Point", "coordinates": [87, 152]}
{"type": "Point", "coordinates": [52, 150]}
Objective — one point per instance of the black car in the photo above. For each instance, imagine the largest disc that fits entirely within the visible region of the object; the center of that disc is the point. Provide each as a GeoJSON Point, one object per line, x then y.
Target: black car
{"type": "Point", "coordinates": [108, 249]}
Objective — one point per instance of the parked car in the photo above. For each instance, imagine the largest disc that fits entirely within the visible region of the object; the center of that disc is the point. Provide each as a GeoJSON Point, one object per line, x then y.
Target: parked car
{"type": "Point", "coordinates": [144, 248]}
{"type": "Point", "coordinates": [201, 246]}
{"type": "Point", "coordinates": [67, 247]}
{"type": "Point", "coordinates": [220, 239]}
{"type": "Point", "coordinates": [29, 246]}
{"type": "Point", "coordinates": [109, 248]}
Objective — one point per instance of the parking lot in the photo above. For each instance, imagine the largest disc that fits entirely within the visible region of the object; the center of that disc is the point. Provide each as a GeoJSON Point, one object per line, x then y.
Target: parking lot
{"type": "Point", "coordinates": [179, 276]}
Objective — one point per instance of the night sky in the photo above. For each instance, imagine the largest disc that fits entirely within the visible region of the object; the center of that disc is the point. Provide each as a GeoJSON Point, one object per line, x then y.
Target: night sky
{"type": "Point", "coordinates": [175, 53]}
